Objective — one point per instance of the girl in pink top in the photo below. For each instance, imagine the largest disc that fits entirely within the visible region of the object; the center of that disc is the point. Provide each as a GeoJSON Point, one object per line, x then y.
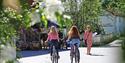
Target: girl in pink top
{"type": "Point", "coordinates": [53, 38]}
{"type": "Point", "coordinates": [88, 38]}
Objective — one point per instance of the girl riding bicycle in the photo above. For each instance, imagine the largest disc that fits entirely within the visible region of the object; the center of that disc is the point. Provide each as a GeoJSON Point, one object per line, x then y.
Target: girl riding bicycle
{"type": "Point", "coordinates": [74, 36]}
{"type": "Point", "coordinates": [53, 38]}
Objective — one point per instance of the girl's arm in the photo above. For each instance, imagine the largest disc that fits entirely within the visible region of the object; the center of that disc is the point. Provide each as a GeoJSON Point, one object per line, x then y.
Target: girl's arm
{"type": "Point", "coordinates": [69, 37]}
{"type": "Point", "coordinates": [58, 37]}
{"type": "Point", "coordinates": [85, 36]}
{"type": "Point", "coordinates": [90, 37]}
{"type": "Point", "coordinates": [48, 38]}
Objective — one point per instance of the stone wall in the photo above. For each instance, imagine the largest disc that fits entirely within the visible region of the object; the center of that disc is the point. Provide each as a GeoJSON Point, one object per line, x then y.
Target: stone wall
{"type": "Point", "coordinates": [103, 39]}
{"type": "Point", "coordinates": [112, 24]}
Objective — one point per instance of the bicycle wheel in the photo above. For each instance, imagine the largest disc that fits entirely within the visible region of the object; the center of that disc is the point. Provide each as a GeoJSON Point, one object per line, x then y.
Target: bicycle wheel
{"type": "Point", "coordinates": [52, 59]}
{"type": "Point", "coordinates": [56, 60]}
{"type": "Point", "coordinates": [77, 55]}
{"type": "Point", "coordinates": [76, 59]}
{"type": "Point", "coordinates": [54, 55]}
{"type": "Point", "coordinates": [71, 58]}
{"type": "Point", "coordinates": [72, 53]}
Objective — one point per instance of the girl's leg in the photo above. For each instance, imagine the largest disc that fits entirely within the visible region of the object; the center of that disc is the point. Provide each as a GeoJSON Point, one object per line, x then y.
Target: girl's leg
{"type": "Point", "coordinates": [71, 46]}
{"type": "Point", "coordinates": [51, 47]}
{"type": "Point", "coordinates": [71, 50]}
{"type": "Point", "coordinates": [88, 50]}
{"type": "Point", "coordinates": [51, 50]}
{"type": "Point", "coordinates": [57, 47]}
{"type": "Point", "coordinates": [77, 41]}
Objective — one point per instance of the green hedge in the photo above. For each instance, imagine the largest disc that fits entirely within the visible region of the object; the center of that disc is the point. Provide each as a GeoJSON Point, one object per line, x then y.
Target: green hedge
{"type": "Point", "coordinates": [123, 48]}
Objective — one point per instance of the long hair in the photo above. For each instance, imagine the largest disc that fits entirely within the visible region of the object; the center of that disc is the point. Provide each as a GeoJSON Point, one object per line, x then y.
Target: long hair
{"type": "Point", "coordinates": [73, 32]}
{"type": "Point", "coordinates": [53, 30]}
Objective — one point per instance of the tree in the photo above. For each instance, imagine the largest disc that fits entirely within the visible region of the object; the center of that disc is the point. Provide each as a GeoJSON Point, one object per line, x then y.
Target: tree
{"type": "Point", "coordinates": [115, 7]}
{"type": "Point", "coordinates": [10, 23]}
{"type": "Point", "coordinates": [84, 12]}
{"type": "Point", "coordinates": [71, 8]}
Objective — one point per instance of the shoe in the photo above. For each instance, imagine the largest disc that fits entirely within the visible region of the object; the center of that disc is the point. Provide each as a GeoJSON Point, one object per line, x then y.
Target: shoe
{"type": "Point", "coordinates": [89, 54]}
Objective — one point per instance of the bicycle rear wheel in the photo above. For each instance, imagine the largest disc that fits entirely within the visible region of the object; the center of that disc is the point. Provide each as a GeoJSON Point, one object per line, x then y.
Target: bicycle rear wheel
{"type": "Point", "coordinates": [71, 58]}
{"type": "Point", "coordinates": [77, 55]}
{"type": "Point", "coordinates": [54, 55]}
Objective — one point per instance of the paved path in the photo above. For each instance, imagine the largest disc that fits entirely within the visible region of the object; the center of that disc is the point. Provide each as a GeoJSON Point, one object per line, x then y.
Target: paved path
{"type": "Point", "coordinates": [110, 53]}
{"type": "Point", "coordinates": [99, 55]}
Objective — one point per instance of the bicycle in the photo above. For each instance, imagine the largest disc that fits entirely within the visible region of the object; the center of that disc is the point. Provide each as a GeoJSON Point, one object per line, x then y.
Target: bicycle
{"type": "Point", "coordinates": [74, 53]}
{"type": "Point", "coordinates": [54, 57]}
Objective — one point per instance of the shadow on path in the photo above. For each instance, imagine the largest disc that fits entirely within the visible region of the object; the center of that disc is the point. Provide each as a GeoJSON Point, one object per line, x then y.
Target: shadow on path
{"type": "Point", "coordinates": [30, 53]}
{"type": "Point", "coordinates": [96, 55]}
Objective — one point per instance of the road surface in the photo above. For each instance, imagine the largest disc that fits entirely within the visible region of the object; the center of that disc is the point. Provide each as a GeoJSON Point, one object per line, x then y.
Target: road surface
{"type": "Point", "coordinates": [110, 53]}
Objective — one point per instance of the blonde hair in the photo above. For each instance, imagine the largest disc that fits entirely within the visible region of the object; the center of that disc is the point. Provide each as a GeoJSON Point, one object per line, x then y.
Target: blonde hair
{"type": "Point", "coordinates": [53, 29]}
{"type": "Point", "coordinates": [88, 26]}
